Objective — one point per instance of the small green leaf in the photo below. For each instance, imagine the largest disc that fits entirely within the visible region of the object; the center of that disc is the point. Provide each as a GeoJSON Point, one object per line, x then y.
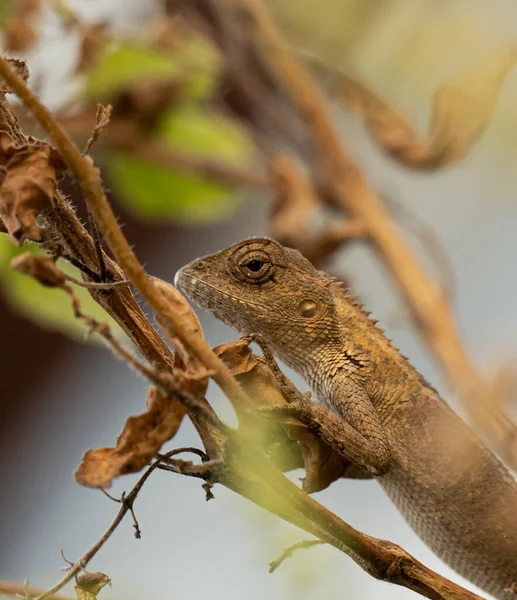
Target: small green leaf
{"type": "Point", "coordinates": [124, 63]}
{"type": "Point", "coordinates": [49, 308]}
{"type": "Point", "coordinates": [154, 193]}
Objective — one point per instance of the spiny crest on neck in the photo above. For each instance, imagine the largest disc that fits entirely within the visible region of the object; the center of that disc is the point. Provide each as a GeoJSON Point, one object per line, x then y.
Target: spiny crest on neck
{"type": "Point", "coordinates": [345, 294]}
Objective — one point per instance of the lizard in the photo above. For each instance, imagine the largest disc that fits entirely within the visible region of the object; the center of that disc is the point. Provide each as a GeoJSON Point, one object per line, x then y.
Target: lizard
{"type": "Point", "coordinates": [374, 408]}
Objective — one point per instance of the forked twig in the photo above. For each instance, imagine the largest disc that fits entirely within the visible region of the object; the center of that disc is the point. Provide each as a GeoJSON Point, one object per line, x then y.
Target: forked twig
{"type": "Point", "coordinates": [288, 552]}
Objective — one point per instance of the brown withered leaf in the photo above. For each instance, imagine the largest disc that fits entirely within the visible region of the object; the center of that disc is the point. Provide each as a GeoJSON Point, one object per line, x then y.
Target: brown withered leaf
{"type": "Point", "coordinates": [461, 111]}
{"type": "Point", "coordinates": [141, 439]}
{"type": "Point", "coordinates": [102, 119]}
{"type": "Point", "coordinates": [20, 66]}
{"type": "Point", "coordinates": [19, 33]}
{"type": "Point", "coordinates": [182, 358]}
{"type": "Point", "coordinates": [40, 268]}
{"type": "Point", "coordinates": [322, 465]}
{"type": "Point", "coordinates": [90, 583]}
{"type": "Point", "coordinates": [28, 181]}
{"type": "Point", "coordinates": [94, 38]}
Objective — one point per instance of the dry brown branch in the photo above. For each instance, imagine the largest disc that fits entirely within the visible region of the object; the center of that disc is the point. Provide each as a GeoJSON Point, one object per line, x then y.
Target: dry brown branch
{"type": "Point", "coordinates": [15, 589]}
{"type": "Point", "coordinates": [461, 111]}
{"type": "Point", "coordinates": [351, 192]}
{"type": "Point", "coordinates": [296, 216]}
{"type": "Point", "coordinates": [270, 389]}
{"type": "Point", "coordinates": [244, 470]}
{"type": "Point", "coordinates": [93, 191]}
{"type": "Point", "coordinates": [167, 403]}
{"type": "Point", "coordinates": [68, 238]}
{"type": "Point", "coordinates": [429, 242]}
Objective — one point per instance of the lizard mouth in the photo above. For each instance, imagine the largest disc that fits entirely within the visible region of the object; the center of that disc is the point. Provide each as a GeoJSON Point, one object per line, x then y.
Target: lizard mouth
{"type": "Point", "coordinates": [190, 285]}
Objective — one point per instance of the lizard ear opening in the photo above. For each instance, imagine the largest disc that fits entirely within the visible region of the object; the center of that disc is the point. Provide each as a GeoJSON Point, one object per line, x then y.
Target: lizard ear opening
{"type": "Point", "coordinates": [307, 309]}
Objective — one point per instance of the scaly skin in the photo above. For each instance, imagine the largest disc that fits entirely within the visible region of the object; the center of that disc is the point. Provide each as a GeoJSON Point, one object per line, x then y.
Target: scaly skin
{"type": "Point", "coordinates": [375, 409]}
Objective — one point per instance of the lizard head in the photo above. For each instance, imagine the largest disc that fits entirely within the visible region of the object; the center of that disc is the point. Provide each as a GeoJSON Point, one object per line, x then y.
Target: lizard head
{"type": "Point", "coordinates": [259, 286]}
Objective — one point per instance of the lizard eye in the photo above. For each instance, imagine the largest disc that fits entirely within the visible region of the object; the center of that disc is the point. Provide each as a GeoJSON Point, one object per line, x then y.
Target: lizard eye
{"type": "Point", "coordinates": [254, 266]}
{"type": "Point", "coordinates": [307, 308]}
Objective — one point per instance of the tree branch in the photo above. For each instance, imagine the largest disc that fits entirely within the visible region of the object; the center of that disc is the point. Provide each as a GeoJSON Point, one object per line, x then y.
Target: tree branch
{"type": "Point", "coordinates": [245, 469]}
{"type": "Point", "coordinates": [352, 194]}
{"type": "Point", "coordinates": [91, 185]}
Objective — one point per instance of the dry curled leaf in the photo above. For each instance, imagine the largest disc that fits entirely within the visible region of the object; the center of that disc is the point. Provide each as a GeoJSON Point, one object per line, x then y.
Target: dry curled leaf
{"type": "Point", "coordinates": [20, 67]}
{"type": "Point", "coordinates": [102, 119]}
{"type": "Point", "coordinates": [182, 308]}
{"type": "Point", "coordinates": [28, 182]}
{"type": "Point", "coordinates": [40, 268]}
{"type": "Point", "coordinates": [90, 584]}
{"type": "Point", "coordinates": [141, 439]}
{"type": "Point", "coordinates": [322, 465]}
{"type": "Point", "coordinates": [462, 109]}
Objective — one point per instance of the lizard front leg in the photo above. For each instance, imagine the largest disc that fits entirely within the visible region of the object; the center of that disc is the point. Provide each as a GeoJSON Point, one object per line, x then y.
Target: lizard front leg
{"type": "Point", "coordinates": [351, 427]}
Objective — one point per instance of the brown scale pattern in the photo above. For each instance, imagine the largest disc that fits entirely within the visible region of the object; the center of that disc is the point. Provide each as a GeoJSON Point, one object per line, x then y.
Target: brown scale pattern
{"type": "Point", "coordinates": [376, 409]}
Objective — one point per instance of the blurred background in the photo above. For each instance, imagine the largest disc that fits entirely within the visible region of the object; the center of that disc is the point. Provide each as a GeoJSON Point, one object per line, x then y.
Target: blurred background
{"type": "Point", "coordinates": [60, 394]}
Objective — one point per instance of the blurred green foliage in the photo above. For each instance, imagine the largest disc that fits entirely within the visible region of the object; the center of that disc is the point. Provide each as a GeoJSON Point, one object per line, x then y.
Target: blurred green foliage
{"type": "Point", "coordinates": [5, 9]}
{"type": "Point", "coordinates": [50, 308]}
{"type": "Point", "coordinates": [155, 193]}
{"type": "Point", "coordinates": [150, 192]}
{"type": "Point", "coordinates": [125, 63]}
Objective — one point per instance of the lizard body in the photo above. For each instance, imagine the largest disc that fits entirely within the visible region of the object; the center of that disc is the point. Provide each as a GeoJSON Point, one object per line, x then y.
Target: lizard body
{"type": "Point", "coordinates": [374, 408]}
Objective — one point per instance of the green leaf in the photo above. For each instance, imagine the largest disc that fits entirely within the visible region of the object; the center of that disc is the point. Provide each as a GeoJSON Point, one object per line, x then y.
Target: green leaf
{"type": "Point", "coordinates": [124, 63]}
{"type": "Point", "coordinates": [49, 308]}
{"type": "Point", "coordinates": [154, 193]}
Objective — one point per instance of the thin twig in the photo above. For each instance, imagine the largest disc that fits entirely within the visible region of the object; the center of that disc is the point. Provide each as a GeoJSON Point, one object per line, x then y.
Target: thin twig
{"type": "Point", "coordinates": [164, 380]}
{"type": "Point", "coordinates": [433, 317]}
{"type": "Point", "coordinates": [202, 455]}
{"type": "Point", "coordinates": [96, 236]}
{"type": "Point", "coordinates": [96, 286]}
{"type": "Point", "coordinates": [246, 472]}
{"type": "Point", "coordinates": [288, 552]}
{"type": "Point", "coordinates": [80, 564]}
{"type": "Point", "coordinates": [56, 253]}
{"type": "Point", "coordinates": [102, 119]}
{"type": "Point", "coordinates": [90, 181]}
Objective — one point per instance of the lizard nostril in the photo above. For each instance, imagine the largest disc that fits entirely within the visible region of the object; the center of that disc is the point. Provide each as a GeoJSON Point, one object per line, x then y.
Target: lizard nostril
{"type": "Point", "coordinates": [201, 264]}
